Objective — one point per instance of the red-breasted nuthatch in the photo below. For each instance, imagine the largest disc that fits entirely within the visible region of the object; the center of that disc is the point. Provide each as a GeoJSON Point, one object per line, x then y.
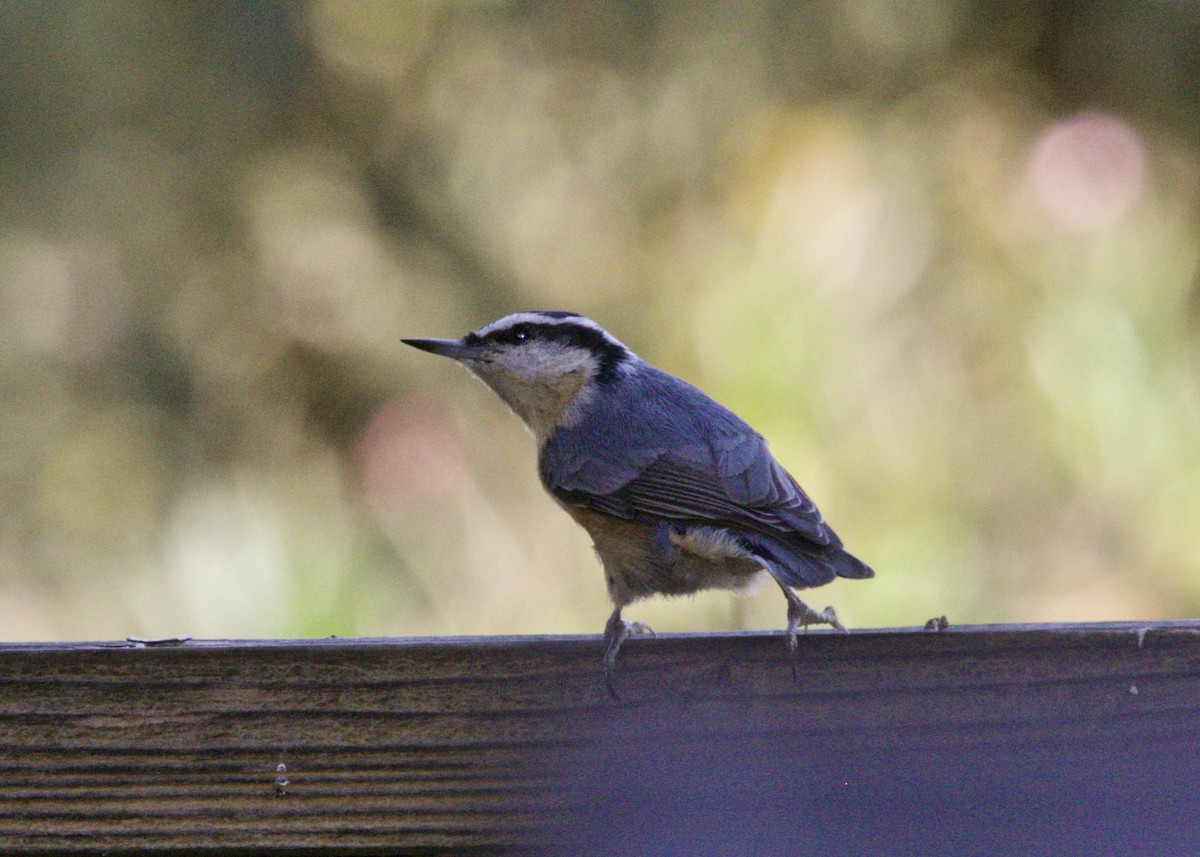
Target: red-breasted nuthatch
{"type": "Point", "coordinates": [677, 492]}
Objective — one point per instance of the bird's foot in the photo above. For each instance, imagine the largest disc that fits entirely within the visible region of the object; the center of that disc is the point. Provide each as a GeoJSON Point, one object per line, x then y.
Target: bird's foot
{"type": "Point", "coordinates": [615, 632]}
{"type": "Point", "coordinates": [800, 615]}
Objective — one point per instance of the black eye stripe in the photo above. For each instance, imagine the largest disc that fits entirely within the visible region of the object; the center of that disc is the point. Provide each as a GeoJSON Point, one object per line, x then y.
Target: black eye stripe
{"type": "Point", "coordinates": [514, 335]}
{"type": "Point", "coordinates": [609, 353]}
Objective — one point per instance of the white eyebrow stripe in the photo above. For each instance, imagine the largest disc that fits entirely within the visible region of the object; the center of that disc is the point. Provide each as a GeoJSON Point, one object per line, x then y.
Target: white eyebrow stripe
{"type": "Point", "coordinates": [534, 317]}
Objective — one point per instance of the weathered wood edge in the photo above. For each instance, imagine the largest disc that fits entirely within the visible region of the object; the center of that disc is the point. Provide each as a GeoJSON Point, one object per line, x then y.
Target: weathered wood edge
{"type": "Point", "coordinates": [479, 745]}
{"type": "Point", "coordinates": [991, 631]}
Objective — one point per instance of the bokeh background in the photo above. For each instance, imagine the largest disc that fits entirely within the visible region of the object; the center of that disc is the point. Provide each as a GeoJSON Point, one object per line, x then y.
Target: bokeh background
{"type": "Point", "coordinates": [943, 255]}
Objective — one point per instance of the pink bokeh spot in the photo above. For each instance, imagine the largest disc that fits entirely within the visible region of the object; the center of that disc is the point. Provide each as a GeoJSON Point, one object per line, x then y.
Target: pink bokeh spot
{"type": "Point", "coordinates": [1087, 170]}
{"type": "Point", "coordinates": [407, 457]}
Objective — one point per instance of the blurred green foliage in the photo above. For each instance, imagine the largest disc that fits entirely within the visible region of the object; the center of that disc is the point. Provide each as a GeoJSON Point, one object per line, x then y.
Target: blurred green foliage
{"type": "Point", "coordinates": [944, 256]}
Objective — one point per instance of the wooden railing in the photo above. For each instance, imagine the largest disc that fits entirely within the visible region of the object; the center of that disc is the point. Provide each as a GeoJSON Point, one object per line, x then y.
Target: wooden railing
{"type": "Point", "coordinates": [1080, 739]}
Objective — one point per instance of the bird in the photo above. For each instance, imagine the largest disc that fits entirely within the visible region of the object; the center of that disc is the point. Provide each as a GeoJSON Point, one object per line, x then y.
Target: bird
{"type": "Point", "coordinates": [677, 493]}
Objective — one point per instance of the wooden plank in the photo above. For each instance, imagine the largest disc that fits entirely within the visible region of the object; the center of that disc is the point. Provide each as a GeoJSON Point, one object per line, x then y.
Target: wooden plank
{"type": "Point", "coordinates": [973, 740]}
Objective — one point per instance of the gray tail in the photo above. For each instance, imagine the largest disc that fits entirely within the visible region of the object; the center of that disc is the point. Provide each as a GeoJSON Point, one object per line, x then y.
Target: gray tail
{"type": "Point", "coordinates": [805, 568]}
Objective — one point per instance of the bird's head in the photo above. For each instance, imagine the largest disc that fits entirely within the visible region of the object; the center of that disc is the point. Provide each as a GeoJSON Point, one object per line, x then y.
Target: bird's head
{"type": "Point", "coordinates": [544, 365]}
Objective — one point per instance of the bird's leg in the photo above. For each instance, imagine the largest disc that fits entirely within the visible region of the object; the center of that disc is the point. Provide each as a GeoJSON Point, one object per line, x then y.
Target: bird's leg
{"type": "Point", "coordinates": [801, 615]}
{"type": "Point", "coordinates": [616, 630]}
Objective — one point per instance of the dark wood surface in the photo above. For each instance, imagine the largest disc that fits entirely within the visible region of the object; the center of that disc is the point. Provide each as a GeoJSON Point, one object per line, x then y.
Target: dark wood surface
{"type": "Point", "coordinates": [975, 740]}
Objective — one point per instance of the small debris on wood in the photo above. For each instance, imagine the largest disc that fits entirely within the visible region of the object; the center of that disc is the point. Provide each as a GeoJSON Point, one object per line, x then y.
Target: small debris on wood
{"type": "Point", "coordinates": [937, 624]}
{"type": "Point", "coordinates": [159, 641]}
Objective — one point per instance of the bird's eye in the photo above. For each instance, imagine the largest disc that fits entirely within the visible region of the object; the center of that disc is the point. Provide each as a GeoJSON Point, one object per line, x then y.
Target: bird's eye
{"type": "Point", "coordinates": [520, 333]}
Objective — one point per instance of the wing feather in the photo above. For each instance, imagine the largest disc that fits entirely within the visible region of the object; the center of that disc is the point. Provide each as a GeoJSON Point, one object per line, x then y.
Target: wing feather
{"type": "Point", "coordinates": [667, 450]}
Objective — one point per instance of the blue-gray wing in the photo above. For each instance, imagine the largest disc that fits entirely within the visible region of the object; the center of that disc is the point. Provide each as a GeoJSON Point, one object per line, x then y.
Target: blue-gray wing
{"type": "Point", "coordinates": [656, 447]}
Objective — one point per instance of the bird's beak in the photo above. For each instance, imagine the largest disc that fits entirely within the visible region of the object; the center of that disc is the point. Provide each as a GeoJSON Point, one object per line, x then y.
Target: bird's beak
{"type": "Point", "coordinates": [452, 348]}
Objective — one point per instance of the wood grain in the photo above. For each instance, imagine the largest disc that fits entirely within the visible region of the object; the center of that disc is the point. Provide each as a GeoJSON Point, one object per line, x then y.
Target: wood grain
{"type": "Point", "coordinates": [972, 740]}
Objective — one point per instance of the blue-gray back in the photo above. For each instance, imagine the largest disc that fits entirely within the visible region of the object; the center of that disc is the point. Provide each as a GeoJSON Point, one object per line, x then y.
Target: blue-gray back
{"type": "Point", "coordinates": [653, 446]}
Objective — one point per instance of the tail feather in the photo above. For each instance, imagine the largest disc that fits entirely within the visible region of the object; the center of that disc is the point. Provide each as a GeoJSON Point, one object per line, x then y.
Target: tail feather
{"type": "Point", "coordinates": [852, 567]}
{"type": "Point", "coordinates": [803, 569]}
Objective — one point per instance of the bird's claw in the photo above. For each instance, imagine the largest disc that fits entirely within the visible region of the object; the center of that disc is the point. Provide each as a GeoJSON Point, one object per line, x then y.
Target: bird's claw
{"type": "Point", "coordinates": [615, 632]}
{"type": "Point", "coordinates": [800, 615]}
{"type": "Point", "coordinates": [829, 617]}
